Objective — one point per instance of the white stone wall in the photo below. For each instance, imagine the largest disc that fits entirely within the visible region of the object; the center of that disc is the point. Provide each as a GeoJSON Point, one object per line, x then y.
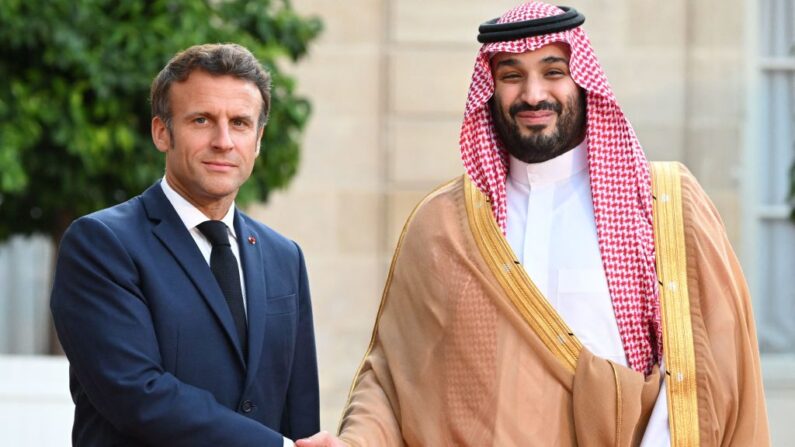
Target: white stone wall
{"type": "Point", "coordinates": [35, 406]}
{"type": "Point", "coordinates": [25, 263]}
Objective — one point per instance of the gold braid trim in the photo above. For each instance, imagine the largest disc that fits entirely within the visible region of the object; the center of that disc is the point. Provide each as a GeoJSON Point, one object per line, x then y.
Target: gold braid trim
{"type": "Point", "coordinates": [678, 352]}
{"type": "Point", "coordinates": [521, 291]}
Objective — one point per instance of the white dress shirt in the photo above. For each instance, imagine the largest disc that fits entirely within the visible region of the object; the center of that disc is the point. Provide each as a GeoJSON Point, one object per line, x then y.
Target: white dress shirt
{"type": "Point", "coordinates": [552, 231]}
{"type": "Point", "coordinates": [192, 217]}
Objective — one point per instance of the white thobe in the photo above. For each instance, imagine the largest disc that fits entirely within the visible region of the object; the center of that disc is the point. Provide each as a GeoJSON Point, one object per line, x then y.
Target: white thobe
{"type": "Point", "coordinates": [552, 231]}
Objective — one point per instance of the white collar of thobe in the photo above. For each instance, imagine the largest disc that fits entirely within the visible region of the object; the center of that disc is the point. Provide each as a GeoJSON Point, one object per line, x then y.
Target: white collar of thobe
{"type": "Point", "coordinates": [189, 214]}
{"type": "Point", "coordinates": [551, 171]}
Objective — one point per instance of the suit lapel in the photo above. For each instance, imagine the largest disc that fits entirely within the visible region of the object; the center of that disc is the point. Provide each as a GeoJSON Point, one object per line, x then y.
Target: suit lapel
{"type": "Point", "coordinates": [254, 275]}
{"type": "Point", "coordinates": [168, 227]}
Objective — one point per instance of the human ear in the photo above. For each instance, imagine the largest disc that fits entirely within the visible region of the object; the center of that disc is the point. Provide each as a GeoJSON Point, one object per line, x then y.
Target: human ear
{"type": "Point", "coordinates": [161, 136]}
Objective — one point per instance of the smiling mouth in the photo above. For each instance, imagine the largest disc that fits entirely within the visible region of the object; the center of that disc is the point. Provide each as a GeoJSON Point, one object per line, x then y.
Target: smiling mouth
{"type": "Point", "coordinates": [218, 165]}
{"type": "Point", "coordinates": [535, 118]}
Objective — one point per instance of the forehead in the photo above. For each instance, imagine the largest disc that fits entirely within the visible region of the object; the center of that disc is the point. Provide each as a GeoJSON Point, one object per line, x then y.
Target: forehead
{"type": "Point", "coordinates": [201, 87]}
{"type": "Point", "coordinates": [556, 51]}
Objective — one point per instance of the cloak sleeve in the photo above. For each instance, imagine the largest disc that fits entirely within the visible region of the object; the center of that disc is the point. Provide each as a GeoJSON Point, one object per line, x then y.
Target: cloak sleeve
{"type": "Point", "coordinates": [730, 392]}
{"type": "Point", "coordinates": [401, 363]}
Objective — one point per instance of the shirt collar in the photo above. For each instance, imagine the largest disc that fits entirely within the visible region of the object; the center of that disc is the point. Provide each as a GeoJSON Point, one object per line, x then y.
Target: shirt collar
{"type": "Point", "coordinates": [189, 214]}
{"type": "Point", "coordinates": [560, 168]}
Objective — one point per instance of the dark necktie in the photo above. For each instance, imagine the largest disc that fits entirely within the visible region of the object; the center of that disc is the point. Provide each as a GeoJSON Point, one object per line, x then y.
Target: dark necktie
{"type": "Point", "coordinates": [224, 266]}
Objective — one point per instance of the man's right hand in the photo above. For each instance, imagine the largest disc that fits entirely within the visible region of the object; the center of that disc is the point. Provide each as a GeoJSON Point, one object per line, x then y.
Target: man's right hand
{"type": "Point", "coordinates": [322, 439]}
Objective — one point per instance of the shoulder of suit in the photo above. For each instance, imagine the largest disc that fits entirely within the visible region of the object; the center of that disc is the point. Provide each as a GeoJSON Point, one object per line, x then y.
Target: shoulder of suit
{"type": "Point", "coordinates": [121, 214]}
{"type": "Point", "coordinates": [269, 236]}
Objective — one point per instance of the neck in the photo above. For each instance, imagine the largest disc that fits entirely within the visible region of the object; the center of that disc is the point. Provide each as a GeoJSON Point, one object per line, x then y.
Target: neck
{"type": "Point", "coordinates": [212, 207]}
{"type": "Point", "coordinates": [555, 170]}
{"type": "Point", "coordinates": [216, 210]}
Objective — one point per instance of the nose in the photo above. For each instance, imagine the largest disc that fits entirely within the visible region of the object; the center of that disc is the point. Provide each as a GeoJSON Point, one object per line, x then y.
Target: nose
{"type": "Point", "coordinates": [535, 91]}
{"type": "Point", "coordinates": [222, 140]}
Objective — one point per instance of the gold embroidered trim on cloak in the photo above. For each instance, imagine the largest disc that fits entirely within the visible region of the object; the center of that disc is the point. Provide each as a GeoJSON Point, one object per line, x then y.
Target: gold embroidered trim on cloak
{"type": "Point", "coordinates": [678, 350]}
{"type": "Point", "coordinates": [523, 294]}
{"type": "Point", "coordinates": [619, 404]}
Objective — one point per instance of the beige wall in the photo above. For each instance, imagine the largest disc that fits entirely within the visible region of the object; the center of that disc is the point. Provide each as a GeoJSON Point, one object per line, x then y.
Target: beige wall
{"type": "Point", "coordinates": [388, 81]}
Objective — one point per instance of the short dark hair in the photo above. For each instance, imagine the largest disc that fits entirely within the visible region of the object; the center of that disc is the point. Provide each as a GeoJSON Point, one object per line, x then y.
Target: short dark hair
{"type": "Point", "coordinates": [216, 59]}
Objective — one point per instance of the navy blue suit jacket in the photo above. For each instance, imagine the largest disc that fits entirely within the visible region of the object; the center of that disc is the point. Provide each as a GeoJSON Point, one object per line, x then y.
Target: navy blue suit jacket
{"type": "Point", "coordinates": [154, 359]}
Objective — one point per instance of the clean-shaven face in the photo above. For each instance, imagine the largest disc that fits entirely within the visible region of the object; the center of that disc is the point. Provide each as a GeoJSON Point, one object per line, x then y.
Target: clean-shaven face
{"type": "Point", "coordinates": [214, 140]}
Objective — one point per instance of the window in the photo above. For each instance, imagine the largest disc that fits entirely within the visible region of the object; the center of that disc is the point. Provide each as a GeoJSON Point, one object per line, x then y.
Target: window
{"type": "Point", "coordinates": [769, 236]}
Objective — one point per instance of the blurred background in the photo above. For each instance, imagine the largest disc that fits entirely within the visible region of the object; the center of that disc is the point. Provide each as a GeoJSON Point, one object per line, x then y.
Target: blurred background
{"type": "Point", "coordinates": [706, 82]}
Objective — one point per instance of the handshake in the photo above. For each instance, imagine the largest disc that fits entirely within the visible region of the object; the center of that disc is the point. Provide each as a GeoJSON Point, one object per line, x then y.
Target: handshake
{"type": "Point", "coordinates": [321, 439]}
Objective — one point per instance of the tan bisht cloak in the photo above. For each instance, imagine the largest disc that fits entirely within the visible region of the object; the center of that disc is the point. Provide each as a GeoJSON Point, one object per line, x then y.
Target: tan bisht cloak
{"type": "Point", "coordinates": [466, 352]}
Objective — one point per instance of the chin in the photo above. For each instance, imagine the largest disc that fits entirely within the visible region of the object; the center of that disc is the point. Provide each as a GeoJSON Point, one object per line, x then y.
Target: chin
{"type": "Point", "coordinates": [222, 189]}
{"type": "Point", "coordinates": [525, 136]}
{"type": "Point", "coordinates": [535, 131]}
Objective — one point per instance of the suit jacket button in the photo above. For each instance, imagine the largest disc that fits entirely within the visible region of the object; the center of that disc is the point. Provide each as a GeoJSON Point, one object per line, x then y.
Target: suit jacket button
{"type": "Point", "coordinates": [247, 406]}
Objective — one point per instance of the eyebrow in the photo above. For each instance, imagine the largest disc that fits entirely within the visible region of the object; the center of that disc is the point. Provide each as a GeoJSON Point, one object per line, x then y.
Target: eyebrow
{"type": "Point", "coordinates": [204, 113]}
{"type": "Point", "coordinates": [247, 118]}
{"type": "Point", "coordinates": [512, 62]}
{"type": "Point", "coordinates": [554, 59]}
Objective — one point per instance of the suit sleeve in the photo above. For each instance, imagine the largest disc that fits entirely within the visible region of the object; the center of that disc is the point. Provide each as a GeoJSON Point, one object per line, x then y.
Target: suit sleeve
{"type": "Point", "coordinates": [301, 416]}
{"type": "Point", "coordinates": [105, 327]}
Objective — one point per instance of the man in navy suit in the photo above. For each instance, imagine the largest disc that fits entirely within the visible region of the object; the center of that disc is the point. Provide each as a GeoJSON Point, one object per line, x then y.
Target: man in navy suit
{"type": "Point", "coordinates": [177, 336]}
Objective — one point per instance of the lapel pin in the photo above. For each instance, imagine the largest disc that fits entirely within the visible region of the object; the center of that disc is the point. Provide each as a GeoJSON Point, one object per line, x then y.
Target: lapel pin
{"type": "Point", "coordinates": [252, 240]}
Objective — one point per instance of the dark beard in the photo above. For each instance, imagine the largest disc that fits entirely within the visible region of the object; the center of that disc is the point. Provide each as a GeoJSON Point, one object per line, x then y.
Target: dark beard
{"type": "Point", "coordinates": [537, 148]}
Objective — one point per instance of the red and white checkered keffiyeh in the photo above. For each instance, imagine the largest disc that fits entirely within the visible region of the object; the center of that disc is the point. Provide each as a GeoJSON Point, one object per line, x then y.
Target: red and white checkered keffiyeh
{"type": "Point", "coordinates": [620, 179]}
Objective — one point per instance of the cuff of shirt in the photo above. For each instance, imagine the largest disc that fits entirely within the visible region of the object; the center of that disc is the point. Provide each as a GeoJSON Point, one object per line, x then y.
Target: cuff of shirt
{"type": "Point", "coordinates": [288, 443]}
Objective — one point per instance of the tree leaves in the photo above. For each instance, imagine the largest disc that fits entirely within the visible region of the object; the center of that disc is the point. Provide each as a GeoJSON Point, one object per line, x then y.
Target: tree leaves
{"type": "Point", "coordinates": [74, 110]}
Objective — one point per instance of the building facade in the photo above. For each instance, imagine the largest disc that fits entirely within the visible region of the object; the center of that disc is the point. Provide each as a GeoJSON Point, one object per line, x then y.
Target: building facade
{"type": "Point", "coordinates": [706, 82]}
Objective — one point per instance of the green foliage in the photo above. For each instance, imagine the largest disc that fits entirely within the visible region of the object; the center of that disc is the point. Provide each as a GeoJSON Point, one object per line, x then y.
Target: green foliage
{"type": "Point", "coordinates": [74, 109]}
